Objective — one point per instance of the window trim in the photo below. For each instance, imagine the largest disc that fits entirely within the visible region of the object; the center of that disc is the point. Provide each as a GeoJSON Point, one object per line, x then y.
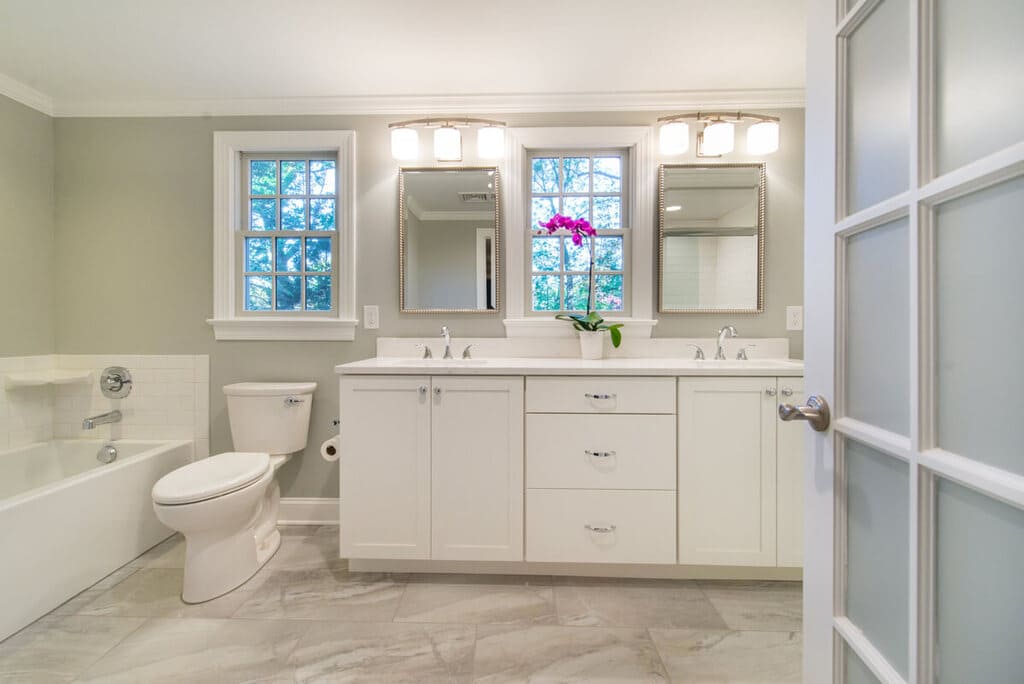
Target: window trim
{"type": "Point", "coordinates": [229, 323]}
{"type": "Point", "coordinates": [639, 140]}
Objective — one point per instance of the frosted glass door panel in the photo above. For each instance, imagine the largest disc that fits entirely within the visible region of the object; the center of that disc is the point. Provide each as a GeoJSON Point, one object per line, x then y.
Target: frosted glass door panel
{"type": "Point", "coordinates": [856, 671]}
{"type": "Point", "coordinates": [878, 107]}
{"type": "Point", "coordinates": [877, 547]}
{"type": "Point", "coordinates": [877, 327]}
{"type": "Point", "coordinates": [979, 588]}
{"type": "Point", "coordinates": [979, 280]}
{"type": "Point", "coordinates": [979, 86]}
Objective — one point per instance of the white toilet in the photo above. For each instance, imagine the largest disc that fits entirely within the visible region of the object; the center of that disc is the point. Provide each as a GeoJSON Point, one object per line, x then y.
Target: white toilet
{"type": "Point", "coordinates": [226, 505]}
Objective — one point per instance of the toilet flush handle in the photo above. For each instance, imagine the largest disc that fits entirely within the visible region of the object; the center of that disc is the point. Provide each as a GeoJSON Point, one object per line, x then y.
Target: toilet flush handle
{"type": "Point", "coordinates": [293, 401]}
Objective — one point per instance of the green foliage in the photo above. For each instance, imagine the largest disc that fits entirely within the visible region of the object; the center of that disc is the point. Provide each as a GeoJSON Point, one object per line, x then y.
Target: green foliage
{"type": "Point", "coordinates": [593, 322]}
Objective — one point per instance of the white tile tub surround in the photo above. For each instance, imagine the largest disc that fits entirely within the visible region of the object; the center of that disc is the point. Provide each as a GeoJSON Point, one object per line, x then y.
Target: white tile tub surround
{"type": "Point", "coordinates": [569, 347]}
{"type": "Point", "coordinates": [26, 413]}
{"type": "Point", "coordinates": [170, 399]}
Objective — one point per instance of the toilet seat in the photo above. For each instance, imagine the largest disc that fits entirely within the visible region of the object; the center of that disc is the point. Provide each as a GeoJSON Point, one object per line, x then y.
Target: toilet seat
{"type": "Point", "coordinates": [210, 478]}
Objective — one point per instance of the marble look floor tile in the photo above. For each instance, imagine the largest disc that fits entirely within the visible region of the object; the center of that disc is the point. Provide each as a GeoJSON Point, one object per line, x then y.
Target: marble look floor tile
{"type": "Point", "coordinates": [473, 603]}
{"type": "Point", "coordinates": [728, 657]}
{"type": "Point", "coordinates": [770, 606]}
{"type": "Point", "coordinates": [156, 592]}
{"type": "Point", "coordinates": [479, 578]}
{"type": "Point", "coordinates": [169, 553]}
{"type": "Point", "coordinates": [324, 594]}
{"type": "Point", "coordinates": [75, 604]}
{"type": "Point", "coordinates": [202, 650]}
{"type": "Point", "coordinates": [59, 649]}
{"type": "Point", "coordinates": [636, 604]}
{"type": "Point", "coordinates": [543, 653]}
{"type": "Point", "coordinates": [384, 652]}
{"type": "Point", "coordinates": [316, 550]}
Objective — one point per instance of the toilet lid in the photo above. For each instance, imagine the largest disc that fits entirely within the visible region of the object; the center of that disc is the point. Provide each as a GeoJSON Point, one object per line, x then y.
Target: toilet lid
{"type": "Point", "coordinates": [210, 477]}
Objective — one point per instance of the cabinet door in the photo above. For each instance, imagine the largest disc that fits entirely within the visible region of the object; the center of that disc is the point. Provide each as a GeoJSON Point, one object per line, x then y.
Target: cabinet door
{"type": "Point", "coordinates": [790, 480]}
{"type": "Point", "coordinates": [385, 467]}
{"type": "Point", "coordinates": [727, 471]}
{"type": "Point", "coordinates": [477, 468]}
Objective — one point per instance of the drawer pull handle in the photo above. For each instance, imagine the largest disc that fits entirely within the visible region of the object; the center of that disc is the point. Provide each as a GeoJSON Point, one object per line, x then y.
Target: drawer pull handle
{"type": "Point", "coordinates": [590, 395]}
{"type": "Point", "coordinates": [599, 454]}
{"type": "Point", "coordinates": [601, 529]}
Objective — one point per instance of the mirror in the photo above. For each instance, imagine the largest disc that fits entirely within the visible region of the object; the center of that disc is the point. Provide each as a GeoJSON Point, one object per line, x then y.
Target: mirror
{"type": "Point", "coordinates": [711, 254]}
{"type": "Point", "coordinates": [449, 239]}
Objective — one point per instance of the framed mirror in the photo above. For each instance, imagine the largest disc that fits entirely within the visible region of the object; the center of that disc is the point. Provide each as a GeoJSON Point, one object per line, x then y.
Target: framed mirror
{"type": "Point", "coordinates": [449, 240]}
{"type": "Point", "coordinates": [711, 238]}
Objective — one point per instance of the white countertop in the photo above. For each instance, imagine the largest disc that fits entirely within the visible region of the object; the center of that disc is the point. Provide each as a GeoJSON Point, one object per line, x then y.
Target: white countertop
{"type": "Point", "coordinates": [571, 366]}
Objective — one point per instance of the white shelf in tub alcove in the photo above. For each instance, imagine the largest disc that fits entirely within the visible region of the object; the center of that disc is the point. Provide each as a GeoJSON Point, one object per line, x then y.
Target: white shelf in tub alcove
{"type": "Point", "coordinates": [46, 377]}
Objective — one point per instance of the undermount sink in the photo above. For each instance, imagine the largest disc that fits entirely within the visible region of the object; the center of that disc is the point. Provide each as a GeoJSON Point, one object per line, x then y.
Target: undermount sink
{"type": "Point", "coordinates": [434, 363]}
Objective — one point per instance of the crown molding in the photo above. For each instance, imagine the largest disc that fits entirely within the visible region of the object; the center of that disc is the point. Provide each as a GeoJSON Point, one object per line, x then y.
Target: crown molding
{"type": "Point", "coordinates": [779, 98]}
{"type": "Point", "coordinates": [26, 95]}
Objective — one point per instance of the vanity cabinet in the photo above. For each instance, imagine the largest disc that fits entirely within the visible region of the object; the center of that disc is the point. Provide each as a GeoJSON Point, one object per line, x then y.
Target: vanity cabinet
{"type": "Point", "coordinates": [738, 472]}
{"type": "Point", "coordinates": [432, 468]}
{"type": "Point", "coordinates": [789, 441]}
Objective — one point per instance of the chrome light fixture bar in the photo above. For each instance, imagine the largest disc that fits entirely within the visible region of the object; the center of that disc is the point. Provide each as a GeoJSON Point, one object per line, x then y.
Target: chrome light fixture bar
{"type": "Point", "coordinates": [490, 142]}
{"type": "Point", "coordinates": [717, 134]}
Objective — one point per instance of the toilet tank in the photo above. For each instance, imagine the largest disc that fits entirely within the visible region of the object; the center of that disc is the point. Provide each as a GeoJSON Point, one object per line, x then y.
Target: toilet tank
{"type": "Point", "coordinates": [269, 417]}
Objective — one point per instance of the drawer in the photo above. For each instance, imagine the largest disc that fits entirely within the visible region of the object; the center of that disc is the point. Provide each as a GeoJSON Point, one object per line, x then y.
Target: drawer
{"type": "Point", "coordinates": [599, 526]}
{"type": "Point", "coordinates": [578, 451]}
{"type": "Point", "coordinates": [600, 395]}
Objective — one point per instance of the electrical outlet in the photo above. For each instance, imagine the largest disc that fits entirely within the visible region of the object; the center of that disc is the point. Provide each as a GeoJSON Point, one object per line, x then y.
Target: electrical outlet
{"type": "Point", "coordinates": [794, 318]}
{"type": "Point", "coordinates": [371, 317]}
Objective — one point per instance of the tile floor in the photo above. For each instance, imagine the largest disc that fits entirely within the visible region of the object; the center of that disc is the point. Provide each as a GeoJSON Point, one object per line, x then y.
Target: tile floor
{"type": "Point", "coordinates": [306, 618]}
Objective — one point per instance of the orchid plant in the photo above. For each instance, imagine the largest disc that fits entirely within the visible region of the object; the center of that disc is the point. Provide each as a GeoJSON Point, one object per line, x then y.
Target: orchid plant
{"type": "Point", "coordinates": [580, 229]}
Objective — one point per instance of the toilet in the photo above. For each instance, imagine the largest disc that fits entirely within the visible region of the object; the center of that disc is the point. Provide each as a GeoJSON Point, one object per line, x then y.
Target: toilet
{"type": "Point", "coordinates": [226, 505]}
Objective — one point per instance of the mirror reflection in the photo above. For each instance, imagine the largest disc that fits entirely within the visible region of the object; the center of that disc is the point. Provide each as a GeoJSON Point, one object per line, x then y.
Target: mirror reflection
{"type": "Point", "coordinates": [712, 238]}
{"type": "Point", "coordinates": [449, 235]}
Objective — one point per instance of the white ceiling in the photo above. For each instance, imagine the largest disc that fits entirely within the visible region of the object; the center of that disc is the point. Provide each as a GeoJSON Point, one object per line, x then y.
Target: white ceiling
{"type": "Point", "coordinates": [198, 56]}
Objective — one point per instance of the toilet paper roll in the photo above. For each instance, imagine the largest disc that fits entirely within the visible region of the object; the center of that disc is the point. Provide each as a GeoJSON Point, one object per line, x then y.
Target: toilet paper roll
{"type": "Point", "coordinates": [331, 449]}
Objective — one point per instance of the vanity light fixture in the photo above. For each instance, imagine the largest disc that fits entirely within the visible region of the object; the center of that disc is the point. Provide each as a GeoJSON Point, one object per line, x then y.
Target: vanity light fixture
{"type": "Point", "coordinates": [718, 135]}
{"type": "Point", "coordinates": [490, 143]}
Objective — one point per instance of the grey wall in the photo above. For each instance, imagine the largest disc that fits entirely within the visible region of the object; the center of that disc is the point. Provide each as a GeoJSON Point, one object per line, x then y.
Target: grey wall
{"type": "Point", "coordinates": [134, 255]}
{"type": "Point", "coordinates": [26, 230]}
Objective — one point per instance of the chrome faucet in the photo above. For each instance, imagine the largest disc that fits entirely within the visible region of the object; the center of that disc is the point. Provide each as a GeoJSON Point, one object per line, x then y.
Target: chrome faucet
{"type": "Point", "coordinates": [446, 334]}
{"type": "Point", "coordinates": [724, 332]}
{"type": "Point", "coordinates": [102, 419]}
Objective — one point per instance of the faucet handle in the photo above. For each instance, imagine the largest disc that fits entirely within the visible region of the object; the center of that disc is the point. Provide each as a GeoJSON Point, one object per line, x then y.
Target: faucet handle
{"type": "Point", "coordinates": [426, 351]}
{"type": "Point", "coordinates": [465, 352]}
{"type": "Point", "coordinates": [741, 355]}
{"type": "Point", "coordinates": [698, 355]}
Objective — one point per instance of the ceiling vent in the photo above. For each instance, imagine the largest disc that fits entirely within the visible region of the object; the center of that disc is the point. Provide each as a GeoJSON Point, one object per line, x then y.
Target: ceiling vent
{"type": "Point", "coordinates": [476, 197]}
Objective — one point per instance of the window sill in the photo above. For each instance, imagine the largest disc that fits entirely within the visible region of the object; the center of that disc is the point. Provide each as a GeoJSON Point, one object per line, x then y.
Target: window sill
{"type": "Point", "coordinates": [537, 326]}
{"type": "Point", "coordinates": [293, 329]}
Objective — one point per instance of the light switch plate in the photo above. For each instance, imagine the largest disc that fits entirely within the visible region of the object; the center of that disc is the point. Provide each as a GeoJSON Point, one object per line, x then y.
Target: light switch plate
{"type": "Point", "coordinates": [371, 317]}
{"type": "Point", "coordinates": [794, 318]}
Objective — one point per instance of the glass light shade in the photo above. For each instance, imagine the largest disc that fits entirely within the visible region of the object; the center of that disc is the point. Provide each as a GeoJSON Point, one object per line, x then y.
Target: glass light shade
{"type": "Point", "coordinates": [447, 144]}
{"type": "Point", "coordinates": [490, 142]}
{"type": "Point", "coordinates": [719, 138]}
{"type": "Point", "coordinates": [674, 138]}
{"type": "Point", "coordinates": [405, 143]}
{"type": "Point", "coordinates": [763, 137]}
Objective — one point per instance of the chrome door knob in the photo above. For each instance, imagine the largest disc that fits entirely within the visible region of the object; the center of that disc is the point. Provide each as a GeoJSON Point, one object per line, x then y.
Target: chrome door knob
{"type": "Point", "coordinates": [770, 391]}
{"type": "Point", "coordinates": [816, 412]}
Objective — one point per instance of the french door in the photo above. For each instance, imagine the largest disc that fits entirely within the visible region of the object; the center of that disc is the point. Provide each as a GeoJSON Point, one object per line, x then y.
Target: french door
{"type": "Point", "coordinates": [914, 283]}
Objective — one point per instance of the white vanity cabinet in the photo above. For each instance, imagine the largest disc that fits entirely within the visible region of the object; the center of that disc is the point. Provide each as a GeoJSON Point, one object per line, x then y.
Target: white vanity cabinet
{"type": "Point", "coordinates": [432, 468]}
{"type": "Point", "coordinates": [739, 470]}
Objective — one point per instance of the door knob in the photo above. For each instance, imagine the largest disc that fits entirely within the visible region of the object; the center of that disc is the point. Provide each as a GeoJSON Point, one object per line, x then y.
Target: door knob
{"type": "Point", "coordinates": [815, 412]}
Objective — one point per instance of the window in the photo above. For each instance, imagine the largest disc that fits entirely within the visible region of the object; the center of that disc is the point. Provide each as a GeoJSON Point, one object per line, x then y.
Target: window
{"type": "Point", "coordinates": [289, 219]}
{"type": "Point", "coordinates": [580, 184]}
{"type": "Point", "coordinates": [284, 267]}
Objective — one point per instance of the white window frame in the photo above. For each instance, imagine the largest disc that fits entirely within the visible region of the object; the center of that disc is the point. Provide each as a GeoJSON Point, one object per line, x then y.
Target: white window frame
{"type": "Point", "coordinates": [639, 199]}
{"type": "Point", "coordinates": [229, 321]}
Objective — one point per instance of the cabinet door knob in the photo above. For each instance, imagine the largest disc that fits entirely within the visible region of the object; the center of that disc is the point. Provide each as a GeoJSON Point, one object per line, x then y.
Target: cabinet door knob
{"type": "Point", "coordinates": [437, 392]}
{"type": "Point", "coordinates": [770, 391]}
{"type": "Point", "coordinates": [787, 391]}
{"type": "Point", "coordinates": [599, 454]}
{"type": "Point", "coordinates": [600, 529]}
{"type": "Point", "coordinates": [590, 395]}
{"type": "Point", "coordinates": [423, 390]}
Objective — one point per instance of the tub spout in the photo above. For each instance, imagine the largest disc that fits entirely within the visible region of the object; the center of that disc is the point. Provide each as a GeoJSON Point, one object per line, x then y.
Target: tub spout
{"type": "Point", "coordinates": [102, 419]}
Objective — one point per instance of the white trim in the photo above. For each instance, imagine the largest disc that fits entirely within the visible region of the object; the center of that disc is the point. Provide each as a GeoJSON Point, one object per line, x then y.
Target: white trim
{"type": "Point", "coordinates": [767, 98]}
{"type": "Point", "coordinates": [26, 95]}
{"type": "Point", "coordinates": [227, 150]}
{"type": "Point", "coordinates": [640, 141]}
{"type": "Point", "coordinates": [868, 654]}
{"type": "Point", "coordinates": [308, 511]}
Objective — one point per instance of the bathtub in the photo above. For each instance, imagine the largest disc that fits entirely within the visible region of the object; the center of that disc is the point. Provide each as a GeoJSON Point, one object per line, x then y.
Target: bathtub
{"type": "Point", "coordinates": [67, 520]}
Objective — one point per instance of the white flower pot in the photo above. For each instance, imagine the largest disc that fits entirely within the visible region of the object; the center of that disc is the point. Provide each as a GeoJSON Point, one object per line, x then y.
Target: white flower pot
{"type": "Point", "coordinates": [592, 343]}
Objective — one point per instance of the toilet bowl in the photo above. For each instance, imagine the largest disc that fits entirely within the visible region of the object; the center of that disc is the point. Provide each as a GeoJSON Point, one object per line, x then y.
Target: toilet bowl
{"type": "Point", "coordinates": [226, 506]}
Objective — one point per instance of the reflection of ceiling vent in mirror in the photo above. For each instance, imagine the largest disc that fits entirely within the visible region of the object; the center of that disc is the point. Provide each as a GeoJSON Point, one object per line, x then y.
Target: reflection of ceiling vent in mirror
{"type": "Point", "coordinates": [476, 197]}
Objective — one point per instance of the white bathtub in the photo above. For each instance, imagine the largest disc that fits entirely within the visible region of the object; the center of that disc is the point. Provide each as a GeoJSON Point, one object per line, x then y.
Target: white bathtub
{"type": "Point", "coordinates": [67, 520]}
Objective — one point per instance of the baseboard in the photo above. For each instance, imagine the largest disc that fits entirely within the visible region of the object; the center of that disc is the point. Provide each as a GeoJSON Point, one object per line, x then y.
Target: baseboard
{"type": "Point", "coordinates": [308, 511]}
